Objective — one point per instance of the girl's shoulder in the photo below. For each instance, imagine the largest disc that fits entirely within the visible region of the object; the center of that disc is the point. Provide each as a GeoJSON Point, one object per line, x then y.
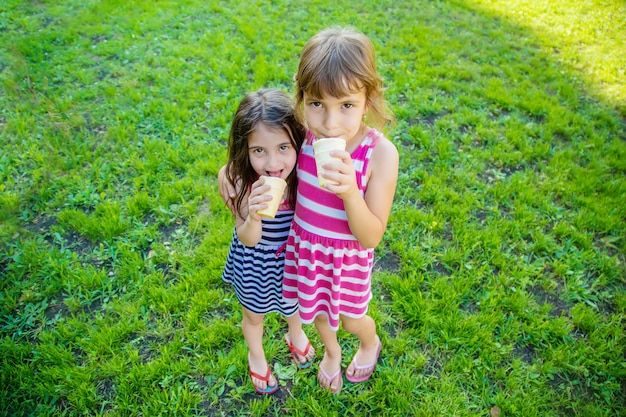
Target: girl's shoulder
{"type": "Point", "coordinates": [384, 149]}
{"type": "Point", "coordinates": [372, 136]}
{"type": "Point", "coordinates": [376, 138]}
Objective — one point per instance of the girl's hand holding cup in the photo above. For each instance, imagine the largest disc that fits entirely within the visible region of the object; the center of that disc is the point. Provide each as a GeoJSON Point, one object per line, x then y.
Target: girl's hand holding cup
{"type": "Point", "coordinates": [258, 199]}
{"type": "Point", "coordinates": [335, 171]}
{"type": "Point", "coordinates": [266, 196]}
{"type": "Point", "coordinates": [324, 149]}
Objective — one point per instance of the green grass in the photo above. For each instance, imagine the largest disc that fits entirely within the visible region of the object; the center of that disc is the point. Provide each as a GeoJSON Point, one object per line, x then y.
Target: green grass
{"type": "Point", "coordinates": [499, 287]}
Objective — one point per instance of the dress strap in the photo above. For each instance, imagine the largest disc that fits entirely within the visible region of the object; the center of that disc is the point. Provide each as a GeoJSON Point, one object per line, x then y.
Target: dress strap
{"type": "Point", "coordinates": [281, 249]}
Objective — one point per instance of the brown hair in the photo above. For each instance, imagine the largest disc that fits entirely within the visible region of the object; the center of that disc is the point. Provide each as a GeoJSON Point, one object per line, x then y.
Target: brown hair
{"type": "Point", "coordinates": [338, 61]}
{"type": "Point", "coordinates": [274, 109]}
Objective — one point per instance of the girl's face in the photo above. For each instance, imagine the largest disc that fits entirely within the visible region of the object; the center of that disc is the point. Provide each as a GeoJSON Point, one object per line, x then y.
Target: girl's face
{"type": "Point", "coordinates": [271, 152]}
{"type": "Point", "coordinates": [335, 117]}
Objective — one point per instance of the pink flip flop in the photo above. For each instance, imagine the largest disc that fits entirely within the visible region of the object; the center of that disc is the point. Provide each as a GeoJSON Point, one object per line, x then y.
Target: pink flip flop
{"type": "Point", "coordinates": [330, 380]}
{"type": "Point", "coordinates": [372, 365]}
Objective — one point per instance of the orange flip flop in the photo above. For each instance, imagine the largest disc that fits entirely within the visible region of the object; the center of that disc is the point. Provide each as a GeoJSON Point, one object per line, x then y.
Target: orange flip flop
{"type": "Point", "coordinates": [295, 352]}
{"type": "Point", "coordinates": [269, 389]}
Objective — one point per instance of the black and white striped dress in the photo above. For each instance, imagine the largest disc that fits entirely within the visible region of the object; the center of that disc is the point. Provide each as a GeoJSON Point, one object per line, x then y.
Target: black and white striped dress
{"type": "Point", "coordinates": [256, 272]}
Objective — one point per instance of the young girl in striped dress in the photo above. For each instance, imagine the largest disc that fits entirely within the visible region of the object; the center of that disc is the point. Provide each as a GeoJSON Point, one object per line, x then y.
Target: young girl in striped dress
{"type": "Point", "coordinates": [329, 255]}
{"type": "Point", "coordinates": [264, 139]}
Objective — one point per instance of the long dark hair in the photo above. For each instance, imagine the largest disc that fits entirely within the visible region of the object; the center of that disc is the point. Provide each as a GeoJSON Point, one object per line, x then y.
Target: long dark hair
{"type": "Point", "coordinates": [274, 109]}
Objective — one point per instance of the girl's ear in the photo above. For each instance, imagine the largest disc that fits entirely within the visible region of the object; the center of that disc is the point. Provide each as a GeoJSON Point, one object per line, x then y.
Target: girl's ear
{"type": "Point", "coordinates": [368, 103]}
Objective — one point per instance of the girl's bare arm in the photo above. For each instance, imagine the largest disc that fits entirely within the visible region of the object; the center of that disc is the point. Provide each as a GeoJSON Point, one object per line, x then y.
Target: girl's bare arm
{"type": "Point", "coordinates": [367, 217]}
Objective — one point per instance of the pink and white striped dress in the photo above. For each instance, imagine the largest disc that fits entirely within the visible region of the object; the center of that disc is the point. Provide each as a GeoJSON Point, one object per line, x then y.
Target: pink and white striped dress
{"type": "Point", "coordinates": [327, 271]}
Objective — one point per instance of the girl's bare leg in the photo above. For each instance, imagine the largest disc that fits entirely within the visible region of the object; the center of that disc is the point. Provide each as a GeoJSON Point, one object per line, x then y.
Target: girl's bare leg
{"type": "Point", "coordinates": [252, 326]}
{"type": "Point", "coordinates": [331, 362]}
{"type": "Point", "coordinates": [364, 328]}
{"type": "Point", "coordinates": [298, 338]}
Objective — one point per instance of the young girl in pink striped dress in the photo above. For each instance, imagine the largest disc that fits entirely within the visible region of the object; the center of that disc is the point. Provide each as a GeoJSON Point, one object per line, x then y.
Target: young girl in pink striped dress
{"type": "Point", "coordinates": [329, 254]}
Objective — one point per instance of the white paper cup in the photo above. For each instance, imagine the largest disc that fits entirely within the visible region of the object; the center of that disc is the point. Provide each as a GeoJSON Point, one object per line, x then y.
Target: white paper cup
{"type": "Point", "coordinates": [322, 149]}
{"type": "Point", "coordinates": [278, 189]}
